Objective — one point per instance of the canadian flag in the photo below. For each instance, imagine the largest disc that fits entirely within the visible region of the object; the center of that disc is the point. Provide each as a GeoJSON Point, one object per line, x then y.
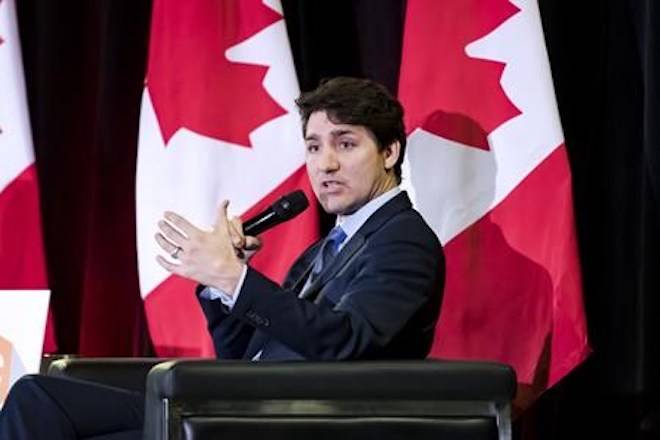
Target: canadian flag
{"type": "Point", "coordinates": [487, 167]}
{"type": "Point", "coordinates": [22, 263]}
{"type": "Point", "coordinates": [218, 121]}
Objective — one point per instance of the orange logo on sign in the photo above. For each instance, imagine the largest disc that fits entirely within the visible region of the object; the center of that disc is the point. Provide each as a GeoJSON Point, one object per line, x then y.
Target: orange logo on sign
{"type": "Point", "coordinates": [5, 365]}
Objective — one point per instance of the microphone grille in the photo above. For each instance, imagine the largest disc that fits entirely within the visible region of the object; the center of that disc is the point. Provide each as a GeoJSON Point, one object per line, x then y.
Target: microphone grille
{"type": "Point", "coordinates": [290, 205]}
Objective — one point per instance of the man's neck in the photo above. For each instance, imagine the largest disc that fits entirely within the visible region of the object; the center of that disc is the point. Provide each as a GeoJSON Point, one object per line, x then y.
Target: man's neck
{"type": "Point", "coordinates": [352, 222]}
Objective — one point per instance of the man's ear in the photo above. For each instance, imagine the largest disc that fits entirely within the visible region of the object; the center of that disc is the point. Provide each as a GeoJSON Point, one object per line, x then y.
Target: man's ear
{"type": "Point", "coordinates": [391, 154]}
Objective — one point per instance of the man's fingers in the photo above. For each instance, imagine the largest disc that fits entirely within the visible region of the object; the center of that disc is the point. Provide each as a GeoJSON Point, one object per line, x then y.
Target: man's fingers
{"type": "Point", "coordinates": [239, 253]}
{"type": "Point", "coordinates": [184, 225]}
{"type": "Point", "coordinates": [170, 267]}
{"type": "Point", "coordinates": [172, 234]}
{"type": "Point", "coordinates": [237, 223]}
{"type": "Point", "coordinates": [236, 232]}
{"type": "Point", "coordinates": [222, 221]}
{"type": "Point", "coordinates": [252, 243]}
{"type": "Point", "coordinates": [165, 244]}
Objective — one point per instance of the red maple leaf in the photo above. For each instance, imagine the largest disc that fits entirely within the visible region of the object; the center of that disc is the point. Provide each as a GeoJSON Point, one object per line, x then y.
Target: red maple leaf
{"type": "Point", "coordinates": [190, 80]}
{"type": "Point", "coordinates": [443, 90]}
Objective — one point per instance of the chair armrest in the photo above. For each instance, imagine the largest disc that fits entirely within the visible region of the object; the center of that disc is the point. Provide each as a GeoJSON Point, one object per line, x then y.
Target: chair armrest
{"type": "Point", "coordinates": [126, 373]}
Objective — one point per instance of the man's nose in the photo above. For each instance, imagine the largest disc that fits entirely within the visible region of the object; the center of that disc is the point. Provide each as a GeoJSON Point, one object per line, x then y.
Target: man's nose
{"type": "Point", "coordinates": [328, 160]}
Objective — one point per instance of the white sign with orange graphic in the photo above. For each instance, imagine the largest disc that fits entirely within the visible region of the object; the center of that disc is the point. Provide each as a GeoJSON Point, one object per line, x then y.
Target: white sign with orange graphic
{"type": "Point", "coordinates": [22, 326]}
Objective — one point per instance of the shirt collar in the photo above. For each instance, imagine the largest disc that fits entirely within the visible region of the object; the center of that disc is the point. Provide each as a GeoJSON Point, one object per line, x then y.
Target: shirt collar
{"type": "Point", "coordinates": [352, 222]}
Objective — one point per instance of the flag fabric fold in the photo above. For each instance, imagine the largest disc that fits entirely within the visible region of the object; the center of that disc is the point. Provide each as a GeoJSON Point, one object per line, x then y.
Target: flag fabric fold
{"type": "Point", "coordinates": [487, 167]}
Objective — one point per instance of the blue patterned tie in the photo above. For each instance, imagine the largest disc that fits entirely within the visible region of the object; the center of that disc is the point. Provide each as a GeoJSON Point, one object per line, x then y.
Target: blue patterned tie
{"type": "Point", "coordinates": [328, 250]}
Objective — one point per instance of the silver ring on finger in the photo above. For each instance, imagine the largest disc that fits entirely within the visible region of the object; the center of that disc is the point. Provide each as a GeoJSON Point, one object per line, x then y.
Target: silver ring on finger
{"type": "Point", "coordinates": [176, 252]}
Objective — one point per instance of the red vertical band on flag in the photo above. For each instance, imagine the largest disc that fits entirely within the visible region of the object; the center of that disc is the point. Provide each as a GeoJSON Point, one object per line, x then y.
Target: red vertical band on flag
{"type": "Point", "coordinates": [21, 245]}
{"type": "Point", "coordinates": [513, 281]}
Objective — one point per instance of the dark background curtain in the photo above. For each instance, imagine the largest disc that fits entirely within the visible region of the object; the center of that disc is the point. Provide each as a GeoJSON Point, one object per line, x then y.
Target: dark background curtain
{"type": "Point", "coordinates": [85, 63]}
{"type": "Point", "coordinates": [84, 66]}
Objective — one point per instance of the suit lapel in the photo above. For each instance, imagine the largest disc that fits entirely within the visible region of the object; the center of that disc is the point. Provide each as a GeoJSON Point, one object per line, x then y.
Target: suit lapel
{"type": "Point", "coordinates": [399, 203]}
{"type": "Point", "coordinates": [307, 263]}
{"type": "Point", "coordinates": [337, 263]}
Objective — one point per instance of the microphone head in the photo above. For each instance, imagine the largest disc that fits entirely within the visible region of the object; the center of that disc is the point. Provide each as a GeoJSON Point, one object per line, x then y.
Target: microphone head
{"type": "Point", "coordinates": [290, 205]}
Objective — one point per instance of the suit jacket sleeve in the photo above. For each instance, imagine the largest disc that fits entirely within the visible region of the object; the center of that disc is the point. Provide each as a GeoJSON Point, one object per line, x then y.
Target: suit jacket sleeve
{"type": "Point", "coordinates": [230, 335]}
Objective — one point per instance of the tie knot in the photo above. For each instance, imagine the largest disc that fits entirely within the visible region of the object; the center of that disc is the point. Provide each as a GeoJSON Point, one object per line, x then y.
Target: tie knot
{"type": "Point", "coordinates": [335, 238]}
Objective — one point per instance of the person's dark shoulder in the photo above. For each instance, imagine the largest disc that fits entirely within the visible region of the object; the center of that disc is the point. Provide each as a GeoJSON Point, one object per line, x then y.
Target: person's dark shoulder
{"type": "Point", "coordinates": [409, 225]}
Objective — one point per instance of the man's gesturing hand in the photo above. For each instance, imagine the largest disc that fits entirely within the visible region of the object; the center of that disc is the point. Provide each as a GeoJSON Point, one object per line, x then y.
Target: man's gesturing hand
{"type": "Point", "coordinates": [208, 257]}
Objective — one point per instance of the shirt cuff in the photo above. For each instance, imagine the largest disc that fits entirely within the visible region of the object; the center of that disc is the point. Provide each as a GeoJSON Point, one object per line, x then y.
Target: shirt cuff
{"type": "Point", "coordinates": [227, 300]}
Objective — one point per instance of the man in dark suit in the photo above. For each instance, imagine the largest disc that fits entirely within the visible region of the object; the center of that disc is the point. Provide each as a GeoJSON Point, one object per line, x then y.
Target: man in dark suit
{"type": "Point", "coordinates": [370, 290]}
{"type": "Point", "coordinates": [378, 297]}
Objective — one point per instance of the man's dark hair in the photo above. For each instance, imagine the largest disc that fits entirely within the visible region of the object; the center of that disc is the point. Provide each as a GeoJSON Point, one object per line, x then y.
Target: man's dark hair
{"type": "Point", "coordinates": [356, 101]}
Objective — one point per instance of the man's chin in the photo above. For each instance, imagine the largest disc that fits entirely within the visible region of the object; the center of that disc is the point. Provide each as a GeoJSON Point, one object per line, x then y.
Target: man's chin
{"type": "Point", "coordinates": [335, 207]}
{"type": "Point", "coordinates": [329, 208]}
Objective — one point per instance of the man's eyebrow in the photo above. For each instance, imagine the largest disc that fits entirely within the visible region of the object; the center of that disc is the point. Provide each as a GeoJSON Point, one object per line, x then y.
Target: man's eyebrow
{"type": "Point", "coordinates": [334, 133]}
{"type": "Point", "coordinates": [342, 131]}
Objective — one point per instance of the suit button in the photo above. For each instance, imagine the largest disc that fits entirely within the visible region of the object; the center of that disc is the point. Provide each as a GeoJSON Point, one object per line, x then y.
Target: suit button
{"type": "Point", "coordinates": [252, 316]}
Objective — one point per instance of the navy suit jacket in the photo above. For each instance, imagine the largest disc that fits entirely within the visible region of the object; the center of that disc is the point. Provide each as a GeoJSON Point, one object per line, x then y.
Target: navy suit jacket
{"type": "Point", "coordinates": [379, 298]}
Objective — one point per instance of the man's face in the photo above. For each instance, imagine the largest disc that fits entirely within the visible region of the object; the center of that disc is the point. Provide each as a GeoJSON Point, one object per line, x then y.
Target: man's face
{"type": "Point", "coordinates": [344, 164]}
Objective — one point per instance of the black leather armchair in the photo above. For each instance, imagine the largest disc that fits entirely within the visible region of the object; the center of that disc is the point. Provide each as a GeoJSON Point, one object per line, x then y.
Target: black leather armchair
{"type": "Point", "coordinates": [196, 400]}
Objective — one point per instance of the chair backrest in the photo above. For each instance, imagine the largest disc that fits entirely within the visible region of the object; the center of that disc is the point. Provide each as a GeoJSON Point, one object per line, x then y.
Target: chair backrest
{"type": "Point", "coordinates": [198, 400]}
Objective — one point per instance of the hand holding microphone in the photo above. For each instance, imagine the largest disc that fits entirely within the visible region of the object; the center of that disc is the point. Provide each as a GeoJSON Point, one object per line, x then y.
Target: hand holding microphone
{"type": "Point", "coordinates": [245, 246]}
{"type": "Point", "coordinates": [211, 257]}
{"type": "Point", "coordinates": [244, 234]}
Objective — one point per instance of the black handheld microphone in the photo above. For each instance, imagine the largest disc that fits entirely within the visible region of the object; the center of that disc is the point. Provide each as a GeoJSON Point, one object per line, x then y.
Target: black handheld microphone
{"type": "Point", "coordinates": [285, 208]}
